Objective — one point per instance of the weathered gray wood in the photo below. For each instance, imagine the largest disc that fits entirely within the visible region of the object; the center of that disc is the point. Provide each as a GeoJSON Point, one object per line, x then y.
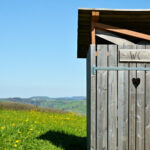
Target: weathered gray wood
{"type": "Point", "coordinates": [147, 108]}
{"type": "Point", "coordinates": [140, 106]}
{"type": "Point", "coordinates": [91, 95]}
{"type": "Point", "coordinates": [102, 99]}
{"type": "Point", "coordinates": [134, 55]}
{"type": "Point", "coordinates": [118, 114]}
{"type": "Point", "coordinates": [113, 38]}
{"type": "Point", "coordinates": [88, 91]}
{"type": "Point", "coordinates": [112, 99]}
{"type": "Point", "coordinates": [132, 106]}
{"type": "Point", "coordinates": [123, 107]}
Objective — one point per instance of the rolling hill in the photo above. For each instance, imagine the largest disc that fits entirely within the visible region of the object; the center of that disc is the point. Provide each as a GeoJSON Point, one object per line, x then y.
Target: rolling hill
{"type": "Point", "coordinates": [72, 104]}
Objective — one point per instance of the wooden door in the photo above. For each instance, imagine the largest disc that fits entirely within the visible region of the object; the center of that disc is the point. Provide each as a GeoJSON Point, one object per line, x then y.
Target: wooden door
{"type": "Point", "coordinates": [121, 110]}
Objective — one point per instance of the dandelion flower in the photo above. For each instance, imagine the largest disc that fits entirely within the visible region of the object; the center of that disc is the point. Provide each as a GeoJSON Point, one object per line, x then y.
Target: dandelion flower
{"type": "Point", "coordinates": [3, 127]}
{"type": "Point", "coordinates": [17, 141]}
{"type": "Point", "coordinates": [19, 132]}
{"type": "Point", "coordinates": [13, 124]}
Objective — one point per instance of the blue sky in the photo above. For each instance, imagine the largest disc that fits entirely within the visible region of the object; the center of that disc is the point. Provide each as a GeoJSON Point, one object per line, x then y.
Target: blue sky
{"type": "Point", "coordinates": [38, 46]}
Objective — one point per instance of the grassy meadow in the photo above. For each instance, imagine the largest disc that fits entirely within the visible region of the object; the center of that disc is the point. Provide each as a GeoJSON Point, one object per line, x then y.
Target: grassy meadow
{"type": "Point", "coordinates": [39, 130]}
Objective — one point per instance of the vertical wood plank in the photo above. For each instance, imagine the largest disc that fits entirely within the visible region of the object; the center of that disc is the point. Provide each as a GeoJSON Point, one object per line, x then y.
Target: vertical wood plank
{"type": "Point", "coordinates": [132, 106]}
{"type": "Point", "coordinates": [147, 107]}
{"type": "Point", "coordinates": [112, 99]}
{"type": "Point", "coordinates": [102, 99]}
{"type": "Point", "coordinates": [123, 107]}
{"type": "Point", "coordinates": [88, 77]}
{"type": "Point", "coordinates": [140, 106]}
{"type": "Point", "coordinates": [91, 100]}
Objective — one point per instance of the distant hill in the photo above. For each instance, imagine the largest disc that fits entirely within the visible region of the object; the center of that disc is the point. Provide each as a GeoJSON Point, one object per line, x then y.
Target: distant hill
{"type": "Point", "coordinates": [74, 104]}
{"type": "Point", "coordinates": [20, 106]}
{"type": "Point", "coordinates": [72, 98]}
{"type": "Point", "coordinates": [36, 98]}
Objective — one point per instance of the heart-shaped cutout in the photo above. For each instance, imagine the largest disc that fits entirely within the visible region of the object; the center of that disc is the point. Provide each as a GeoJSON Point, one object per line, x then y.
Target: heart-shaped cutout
{"type": "Point", "coordinates": [136, 82]}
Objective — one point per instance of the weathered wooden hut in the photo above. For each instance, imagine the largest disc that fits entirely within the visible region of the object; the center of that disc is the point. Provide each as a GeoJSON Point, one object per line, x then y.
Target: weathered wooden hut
{"type": "Point", "coordinates": [116, 46]}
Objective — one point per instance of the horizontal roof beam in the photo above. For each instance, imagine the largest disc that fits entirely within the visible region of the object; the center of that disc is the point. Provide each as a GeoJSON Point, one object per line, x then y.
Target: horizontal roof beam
{"type": "Point", "coordinates": [101, 26]}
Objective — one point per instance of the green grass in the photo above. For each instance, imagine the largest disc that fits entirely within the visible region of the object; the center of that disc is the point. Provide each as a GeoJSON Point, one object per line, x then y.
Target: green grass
{"type": "Point", "coordinates": [34, 130]}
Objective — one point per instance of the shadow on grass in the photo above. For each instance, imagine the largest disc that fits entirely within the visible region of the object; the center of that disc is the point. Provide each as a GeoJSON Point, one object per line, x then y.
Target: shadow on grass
{"type": "Point", "coordinates": [65, 141]}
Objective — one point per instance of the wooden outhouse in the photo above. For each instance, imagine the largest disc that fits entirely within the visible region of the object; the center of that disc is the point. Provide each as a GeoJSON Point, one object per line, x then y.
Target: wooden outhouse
{"type": "Point", "coordinates": [116, 46]}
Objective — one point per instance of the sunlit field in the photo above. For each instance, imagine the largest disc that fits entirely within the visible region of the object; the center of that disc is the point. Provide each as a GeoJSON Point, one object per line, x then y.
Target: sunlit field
{"type": "Point", "coordinates": [35, 130]}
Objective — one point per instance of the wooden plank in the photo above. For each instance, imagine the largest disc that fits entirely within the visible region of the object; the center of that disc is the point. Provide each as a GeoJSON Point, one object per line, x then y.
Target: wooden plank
{"type": "Point", "coordinates": [134, 55]}
{"type": "Point", "coordinates": [102, 99]}
{"type": "Point", "coordinates": [123, 107]}
{"type": "Point", "coordinates": [112, 99]}
{"type": "Point", "coordinates": [93, 37]}
{"type": "Point", "coordinates": [113, 38]}
{"type": "Point", "coordinates": [147, 108]}
{"type": "Point", "coordinates": [124, 18]}
{"type": "Point", "coordinates": [121, 31]}
{"type": "Point", "coordinates": [88, 90]}
{"type": "Point", "coordinates": [95, 18]}
{"type": "Point", "coordinates": [140, 106]}
{"type": "Point", "coordinates": [92, 100]}
{"type": "Point", "coordinates": [132, 106]}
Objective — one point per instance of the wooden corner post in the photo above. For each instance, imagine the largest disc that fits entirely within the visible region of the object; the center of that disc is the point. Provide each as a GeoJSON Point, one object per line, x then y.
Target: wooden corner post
{"type": "Point", "coordinates": [94, 19]}
{"type": "Point", "coordinates": [91, 99]}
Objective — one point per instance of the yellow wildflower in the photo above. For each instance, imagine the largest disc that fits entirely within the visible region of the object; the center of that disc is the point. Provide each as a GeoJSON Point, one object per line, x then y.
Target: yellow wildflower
{"type": "Point", "coordinates": [19, 132]}
{"type": "Point", "coordinates": [26, 120]}
{"type": "Point", "coordinates": [13, 124]}
{"type": "Point", "coordinates": [15, 145]}
{"type": "Point", "coordinates": [17, 141]}
{"type": "Point", "coordinates": [3, 127]}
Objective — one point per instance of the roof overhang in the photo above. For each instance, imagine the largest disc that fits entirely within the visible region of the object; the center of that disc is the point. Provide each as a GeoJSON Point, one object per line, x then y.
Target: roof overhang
{"type": "Point", "coordinates": [132, 19]}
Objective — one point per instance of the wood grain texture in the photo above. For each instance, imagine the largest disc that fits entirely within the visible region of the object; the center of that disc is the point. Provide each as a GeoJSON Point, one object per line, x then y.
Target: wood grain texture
{"type": "Point", "coordinates": [93, 37]}
{"type": "Point", "coordinates": [91, 92]}
{"type": "Point", "coordinates": [134, 55]}
{"type": "Point", "coordinates": [102, 99]}
{"type": "Point", "coordinates": [112, 99]}
{"type": "Point", "coordinates": [140, 106]}
{"type": "Point", "coordinates": [147, 107]}
{"type": "Point", "coordinates": [118, 114]}
{"type": "Point", "coordinates": [132, 106]}
{"type": "Point", "coordinates": [94, 18]}
{"type": "Point", "coordinates": [88, 91]}
{"type": "Point", "coordinates": [123, 107]}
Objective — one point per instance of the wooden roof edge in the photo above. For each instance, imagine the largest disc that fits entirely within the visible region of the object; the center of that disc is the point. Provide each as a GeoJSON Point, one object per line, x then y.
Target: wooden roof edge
{"type": "Point", "coordinates": [108, 9]}
{"type": "Point", "coordinates": [87, 14]}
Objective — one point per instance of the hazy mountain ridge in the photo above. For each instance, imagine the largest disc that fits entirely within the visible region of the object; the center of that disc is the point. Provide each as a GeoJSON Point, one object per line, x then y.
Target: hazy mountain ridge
{"type": "Point", "coordinates": [75, 103]}
{"type": "Point", "coordinates": [39, 98]}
